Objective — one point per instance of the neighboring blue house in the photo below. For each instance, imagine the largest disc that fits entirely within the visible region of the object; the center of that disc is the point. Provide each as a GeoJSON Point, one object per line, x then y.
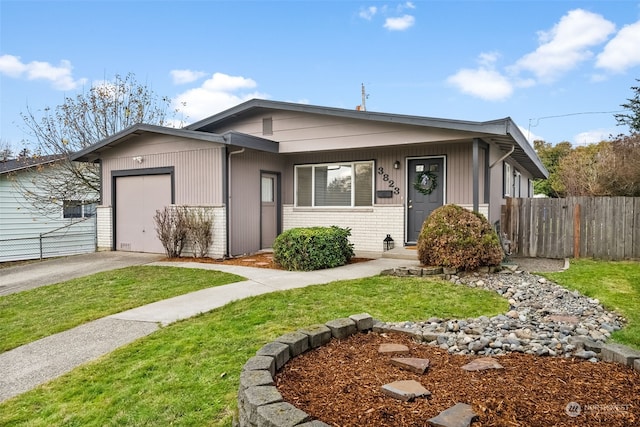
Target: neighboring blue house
{"type": "Point", "coordinates": [27, 233]}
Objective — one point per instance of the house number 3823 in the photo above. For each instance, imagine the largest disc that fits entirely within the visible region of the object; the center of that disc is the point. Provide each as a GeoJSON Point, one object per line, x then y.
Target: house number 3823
{"type": "Point", "coordinates": [391, 183]}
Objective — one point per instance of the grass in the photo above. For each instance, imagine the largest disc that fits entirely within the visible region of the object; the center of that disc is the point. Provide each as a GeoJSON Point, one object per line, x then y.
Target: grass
{"type": "Point", "coordinates": [615, 284]}
{"type": "Point", "coordinates": [37, 313]}
{"type": "Point", "coordinates": [188, 373]}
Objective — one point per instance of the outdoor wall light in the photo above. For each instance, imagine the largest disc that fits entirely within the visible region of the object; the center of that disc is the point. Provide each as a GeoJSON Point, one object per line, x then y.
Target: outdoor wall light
{"type": "Point", "coordinates": [137, 159]}
{"type": "Point", "coordinates": [396, 165]}
{"type": "Point", "coordinates": [387, 243]}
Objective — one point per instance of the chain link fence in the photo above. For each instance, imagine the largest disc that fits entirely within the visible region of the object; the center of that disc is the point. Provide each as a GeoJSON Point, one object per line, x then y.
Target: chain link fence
{"type": "Point", "coordinates": [72, 239]}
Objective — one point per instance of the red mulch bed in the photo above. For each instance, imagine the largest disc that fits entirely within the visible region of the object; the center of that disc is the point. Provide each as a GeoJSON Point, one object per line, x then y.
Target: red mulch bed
{"type": "Point", "coordinates": [259, 260]}
{"type": "Point", "coordinates": [340, 384]}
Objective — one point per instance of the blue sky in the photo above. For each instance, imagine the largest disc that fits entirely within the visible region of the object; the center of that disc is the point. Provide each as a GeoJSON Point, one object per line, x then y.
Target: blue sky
{"type": "Point", "coordinates": [550, 65]}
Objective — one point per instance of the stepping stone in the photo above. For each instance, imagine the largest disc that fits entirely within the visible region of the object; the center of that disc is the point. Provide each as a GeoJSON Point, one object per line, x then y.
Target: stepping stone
{"type": "Point", "coordinates": [261, 263]}
{"type": "Point", "coordinates": [482, 364]}
{"type": "Point", "coordinates": [564, 319]}
{"type": "Point", "coordinates": [413, 364]}
{"type": "Point", "coordinates": [405, 390]}
{"type": "Point", "coordinates": [459, 415]}
{"type": "Point", "coordinates": [393, 348]}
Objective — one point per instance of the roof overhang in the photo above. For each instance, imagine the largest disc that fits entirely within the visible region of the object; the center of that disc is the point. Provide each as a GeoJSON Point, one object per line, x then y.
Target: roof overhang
{"type": "Point", "coordinates": [502, 132]}
{"type": "Point", "coordinates": [22, 163]}
{"type": "Point", "coordinates": [94, 152]}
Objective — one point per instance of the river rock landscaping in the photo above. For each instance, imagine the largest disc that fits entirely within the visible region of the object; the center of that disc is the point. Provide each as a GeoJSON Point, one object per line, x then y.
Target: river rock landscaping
{"type": "Point", "coordinates": [500, 370]}
{"type": "Point", "coordinates": [544, 319]}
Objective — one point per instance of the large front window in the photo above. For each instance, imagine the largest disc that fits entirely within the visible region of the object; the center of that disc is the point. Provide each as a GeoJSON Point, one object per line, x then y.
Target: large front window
{"type": "Point", "coordinates": [335, 184]}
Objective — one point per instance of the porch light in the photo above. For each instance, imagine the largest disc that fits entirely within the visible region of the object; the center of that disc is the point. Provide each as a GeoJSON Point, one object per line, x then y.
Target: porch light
{"type": "Point", "coordinates": [396, 165]}
{"type": "Point", "coordinates": [387, 243]}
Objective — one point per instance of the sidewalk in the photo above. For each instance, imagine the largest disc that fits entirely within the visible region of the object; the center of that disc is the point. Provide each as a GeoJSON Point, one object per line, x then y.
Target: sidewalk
{"type": "Point", "coordinates": [30, 365]}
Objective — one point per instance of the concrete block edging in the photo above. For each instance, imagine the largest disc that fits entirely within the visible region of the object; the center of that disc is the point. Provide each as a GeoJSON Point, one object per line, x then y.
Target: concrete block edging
{"type": "Point", "coordinates": [259, 402]}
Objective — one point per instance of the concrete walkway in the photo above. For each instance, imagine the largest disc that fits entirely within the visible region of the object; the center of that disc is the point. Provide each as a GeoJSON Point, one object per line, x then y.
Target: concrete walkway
{"type": "Point", "coordinates": [28, 366]}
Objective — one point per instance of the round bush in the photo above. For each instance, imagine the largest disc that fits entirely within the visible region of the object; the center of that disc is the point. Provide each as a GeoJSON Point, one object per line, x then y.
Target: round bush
{"type": "Point", "coordinates": [313, 248]}
{"type": "Point", "coordinates": [455, 237]}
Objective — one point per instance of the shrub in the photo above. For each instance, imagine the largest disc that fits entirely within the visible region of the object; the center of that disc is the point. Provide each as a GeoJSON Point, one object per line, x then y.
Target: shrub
{"type": "Point", "coordinates": [199, 233]}
{"type": "Point", "coordinates": [455, 237]}
{"type": "Point", "coordinates": [313, 248]}
{"type": "Point", "coordinates": [171, 228]}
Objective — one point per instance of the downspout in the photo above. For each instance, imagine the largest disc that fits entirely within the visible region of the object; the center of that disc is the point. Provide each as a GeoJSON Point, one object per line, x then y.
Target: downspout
{"type": "Point", "coordinates": [475, 178]}
{"type": "Point", "coordinates": [513, 148]}
{"type": "Point", "coordinates": [229, 198]}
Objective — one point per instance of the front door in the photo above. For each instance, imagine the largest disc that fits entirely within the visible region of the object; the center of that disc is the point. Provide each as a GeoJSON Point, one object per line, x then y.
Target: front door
{"type": "Point", "coordinates": [426, 181]}
{"type": "Point", "coordinates": [269, 210]}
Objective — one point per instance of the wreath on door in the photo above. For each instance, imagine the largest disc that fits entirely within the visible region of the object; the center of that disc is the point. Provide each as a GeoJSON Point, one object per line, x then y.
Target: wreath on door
{"type": "Point", "coordinates": [426, 182]}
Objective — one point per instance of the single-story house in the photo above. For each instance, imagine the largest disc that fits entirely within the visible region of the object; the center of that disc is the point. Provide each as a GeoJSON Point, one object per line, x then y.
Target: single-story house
{"type": "Point", "coordinates": [263, 166]}
{"type": "Point", "coordinates": [32, 228]}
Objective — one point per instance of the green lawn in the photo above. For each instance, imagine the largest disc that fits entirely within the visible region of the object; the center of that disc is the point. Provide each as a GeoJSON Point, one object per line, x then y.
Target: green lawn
{"type": "Point", "coordinates": [188, 373]}
{"type": "Point", "coordinates": [37, 313]}
{"type": "Point", "coordinates": [615, 284]}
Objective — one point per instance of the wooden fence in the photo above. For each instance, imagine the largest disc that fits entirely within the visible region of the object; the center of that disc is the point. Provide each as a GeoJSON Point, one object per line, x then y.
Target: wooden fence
{"type": "Point", "coordinates": [592, 227]}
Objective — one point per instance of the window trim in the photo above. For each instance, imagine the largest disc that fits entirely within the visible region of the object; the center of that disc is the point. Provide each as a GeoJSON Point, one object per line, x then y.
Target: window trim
{"type": "Point", "coordinates": [507, 182]}
{"type": "Point", "coordinates": [352, 165]}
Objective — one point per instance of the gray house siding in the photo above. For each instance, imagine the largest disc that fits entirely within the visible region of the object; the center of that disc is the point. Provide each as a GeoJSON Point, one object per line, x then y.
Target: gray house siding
{"type": "Point", "coordinates": [220, 162]}
{"type": "Point", "coordinates": [198, 166]}
{"type": "Point", "coordinates": [244, 197]}
{"type": "Point", "coordinates": [26, 233]}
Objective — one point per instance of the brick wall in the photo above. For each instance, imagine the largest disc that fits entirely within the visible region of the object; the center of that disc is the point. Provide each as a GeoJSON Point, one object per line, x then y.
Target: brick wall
{"type": "Point", "coordinates": [369, 226]}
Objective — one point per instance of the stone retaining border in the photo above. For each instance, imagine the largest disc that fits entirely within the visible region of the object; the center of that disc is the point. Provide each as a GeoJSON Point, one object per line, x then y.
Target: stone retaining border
{"type": "Point", "coordinates": [260, 404]}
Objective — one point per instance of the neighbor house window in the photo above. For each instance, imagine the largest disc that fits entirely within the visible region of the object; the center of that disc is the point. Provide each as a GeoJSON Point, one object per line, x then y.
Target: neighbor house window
{"type": "Point", "coordinates": [78, 209]}
{"type": "Point", "coordinates": [517, 190]}
{"type": "Point", "coordinates": [333, 185]}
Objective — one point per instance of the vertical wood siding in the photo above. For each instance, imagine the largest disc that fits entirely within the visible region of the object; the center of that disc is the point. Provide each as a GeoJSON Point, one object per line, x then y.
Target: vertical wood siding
{"type": "Point", "coordinates": [458, 161]}
{"type": "Point", "coordinates": [244, 202]}
{"type": "Point", "coordinates": [198, 167]}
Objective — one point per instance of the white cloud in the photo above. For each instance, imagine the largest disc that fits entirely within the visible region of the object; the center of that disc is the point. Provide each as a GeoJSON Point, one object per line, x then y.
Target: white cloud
{"type": "Point", "coordinates": [566, 45]}
{"type": "Point", "coordinates": [216, 94]}
{"type": "Point", "coordinates": [399, 24]}
{"type": "Point", "coordinates": [60, 77]}
{"type": "Point", "coordinates": [623, 51]}
{"type": "Point", "coordinates": [592, 136]}
{"type": "Point", "coordinates": [483, 82]}
{"type": "Point", "coordinates": [368, 13]}
{"type": "Point", "coordinates": [406, 5]}
{"type": "Point", "coordinates": [186, 76]}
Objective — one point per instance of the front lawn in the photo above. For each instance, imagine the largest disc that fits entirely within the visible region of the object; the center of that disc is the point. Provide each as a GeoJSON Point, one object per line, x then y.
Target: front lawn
{"type": "Point", "coordinates": [37, 313]}
{"type": "Point", "coordinates": [188, 373]}
{"type": "Point", "coordinates": [615, 284]}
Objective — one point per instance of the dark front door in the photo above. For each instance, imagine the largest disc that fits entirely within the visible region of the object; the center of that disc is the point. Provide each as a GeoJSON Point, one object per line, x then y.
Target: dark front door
{"type": "Point", "coordinates": [428, 175]}
{"type": "Point", "coordinates": [269, 209]}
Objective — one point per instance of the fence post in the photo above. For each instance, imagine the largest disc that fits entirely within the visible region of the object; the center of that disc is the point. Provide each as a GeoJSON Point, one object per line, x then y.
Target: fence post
{"type": "Point", "coordinates": [576, 232]}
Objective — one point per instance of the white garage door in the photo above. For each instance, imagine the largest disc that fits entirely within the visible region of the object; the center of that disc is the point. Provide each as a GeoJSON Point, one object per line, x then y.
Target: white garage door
{"type": "Point", "coordinates": [137, 199]}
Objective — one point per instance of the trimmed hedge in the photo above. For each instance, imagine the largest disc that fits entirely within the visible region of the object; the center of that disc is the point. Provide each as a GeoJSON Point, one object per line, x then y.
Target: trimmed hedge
{"type": "Point", "coordinates": [455, 237]}
{"type": "Point", "coordinates": [313, 248]}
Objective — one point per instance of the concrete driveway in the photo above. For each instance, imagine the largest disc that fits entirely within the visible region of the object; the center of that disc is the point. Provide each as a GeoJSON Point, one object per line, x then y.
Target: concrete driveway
{"type": "Point", "coordinates": [47, 272]}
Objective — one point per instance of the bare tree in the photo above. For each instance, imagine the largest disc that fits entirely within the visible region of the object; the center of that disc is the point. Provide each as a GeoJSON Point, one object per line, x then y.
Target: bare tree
{"type": "Point", "coordinates": [79, 122]}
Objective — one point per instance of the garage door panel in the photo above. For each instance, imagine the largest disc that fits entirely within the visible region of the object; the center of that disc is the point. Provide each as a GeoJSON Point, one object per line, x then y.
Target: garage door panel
{"type": "Point", "coordinates": [137, 199]}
